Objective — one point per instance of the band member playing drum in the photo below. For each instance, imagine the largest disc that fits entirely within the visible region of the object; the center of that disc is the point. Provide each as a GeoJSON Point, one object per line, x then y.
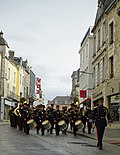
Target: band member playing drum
{"type": "Point", "coordinates": [58, 116]}
{"type": "Point", "coordinates": [52, 117]}
{"type": "Point", "coordinates": [42, 118]}
{"type": "Point", "coordinates": [75, 115]}
{"type": "Point", "coordinates": [69, 112]}
{"type": "Point", "coordinates": [37, 117]}
{"type": "Point", "coordinates": [88, 115]}
{"type": "Point", "coordinates": [65, 117]}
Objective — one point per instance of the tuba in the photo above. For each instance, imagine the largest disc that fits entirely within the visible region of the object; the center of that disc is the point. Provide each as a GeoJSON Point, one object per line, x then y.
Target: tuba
{"type": "Point", "coordinates": [17, 111]}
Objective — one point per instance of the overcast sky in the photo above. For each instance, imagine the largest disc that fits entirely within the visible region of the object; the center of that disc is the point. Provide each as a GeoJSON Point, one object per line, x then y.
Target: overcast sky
{"type": "Point", "coordinates": [48, 33]}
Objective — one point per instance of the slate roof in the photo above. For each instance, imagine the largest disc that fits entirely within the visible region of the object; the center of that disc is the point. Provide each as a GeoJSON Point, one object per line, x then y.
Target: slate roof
{"type": "Point", "coordinates": [61, 100]}
{"type": "Point", "coordinates": [2, 40]}
{"type": "Point", "coordinates": [101, 8]}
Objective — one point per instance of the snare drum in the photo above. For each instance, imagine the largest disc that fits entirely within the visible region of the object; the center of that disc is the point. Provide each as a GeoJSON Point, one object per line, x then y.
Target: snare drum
{"type": "Point", "coordinates": [62, 125]}
{"type": "Point", "coordinates": [31, 124]}
{"type": "Point", "coordinates": [46, 124]}
{"type": "Point", "coordinates": [79, 124]}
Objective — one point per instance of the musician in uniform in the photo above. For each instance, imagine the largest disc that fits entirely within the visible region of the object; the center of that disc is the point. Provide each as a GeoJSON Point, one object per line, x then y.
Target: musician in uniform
{"type": "Point", "coordinates": [42, 118]}
{"type": "Point", "coordinates": [65, 117]}
{"type": "Point", "coordinates": [83, 111]}
{"type": "Point", "coordinates": [88, 115]}
{"type": "Point", "coordinates": [25, 114]}
{"type": "Point", "coordinates": [51, 117]}
{"type": "Point", "coordinates": [11, 115]}
{"type": "Point", "coordinates": [99, 116]}
{"type": "Point", "coordinates": [20, 119]}
{"type": "Point", "coordinates": [37, 117]}
{"type": "Point", "coordinates": [58, 115]}
{"type": "Point", "coordinates": [69, 112]}
{"type": "Point", "coordinates": [74, 116]}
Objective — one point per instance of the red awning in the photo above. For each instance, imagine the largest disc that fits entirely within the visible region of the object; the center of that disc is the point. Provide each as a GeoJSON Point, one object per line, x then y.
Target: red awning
{"type": "Point", "coordinates": [85, 100]}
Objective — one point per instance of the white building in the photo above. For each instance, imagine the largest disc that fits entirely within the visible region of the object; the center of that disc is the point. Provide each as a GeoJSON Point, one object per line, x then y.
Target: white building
{"type": "Point", "coordinates": [85, 81]}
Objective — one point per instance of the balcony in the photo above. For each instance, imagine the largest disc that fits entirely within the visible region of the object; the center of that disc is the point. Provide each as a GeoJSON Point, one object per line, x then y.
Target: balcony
{"type": "Point", "coordinates": [13, 95]}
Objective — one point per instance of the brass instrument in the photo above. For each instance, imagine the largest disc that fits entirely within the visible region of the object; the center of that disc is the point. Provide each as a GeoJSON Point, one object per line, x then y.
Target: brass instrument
{"type": "Point", "coordinates": [17, 111]}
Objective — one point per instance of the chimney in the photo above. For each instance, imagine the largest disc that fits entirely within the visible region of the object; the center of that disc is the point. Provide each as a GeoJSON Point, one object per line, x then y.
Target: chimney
{"type": "Point", "coordinates": [1, 33]}
{"type": "Point", "coordinates": [11, 54]}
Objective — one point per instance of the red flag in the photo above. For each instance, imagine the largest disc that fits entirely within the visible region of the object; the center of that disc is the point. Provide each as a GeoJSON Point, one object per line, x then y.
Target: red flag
{"type": "Point", "coordinates": [83, 93]}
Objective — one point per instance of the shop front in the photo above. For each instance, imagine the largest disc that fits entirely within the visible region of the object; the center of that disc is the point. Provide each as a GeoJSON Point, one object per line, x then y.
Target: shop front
{"type": "Point", "coordinates": [113, 96]}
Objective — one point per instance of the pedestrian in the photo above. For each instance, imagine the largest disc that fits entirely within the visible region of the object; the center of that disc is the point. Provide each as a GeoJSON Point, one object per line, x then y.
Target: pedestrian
{"type": "Point", "coordinates": [99, 116]}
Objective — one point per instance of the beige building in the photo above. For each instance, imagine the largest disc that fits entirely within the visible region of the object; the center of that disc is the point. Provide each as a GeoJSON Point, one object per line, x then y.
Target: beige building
{"type": "Point", "coordinates": [86, 79]}
{"type": "Point", "coordinates": [14, 79]}
{"type": "Point", "coordinates": [106, 56]}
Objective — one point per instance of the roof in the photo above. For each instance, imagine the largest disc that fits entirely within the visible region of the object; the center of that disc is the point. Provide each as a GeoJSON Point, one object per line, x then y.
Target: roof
{"type": "Point", "coordinates": [102, 6]}
{"type": "Point", "coordinates": [2, 40]}
{"type": "Point", "coordinates": [61, 100]}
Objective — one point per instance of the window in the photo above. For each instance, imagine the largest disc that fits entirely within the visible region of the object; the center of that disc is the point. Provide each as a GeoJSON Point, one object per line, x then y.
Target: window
{"type": "Point", "coordinates": [87, 50]}
{"type": "Point", "coordinates": [20, 78]}
{"type": "Point", "coordinates": [8, 91]}
{"type": "Point", "coordinates": [98, 39]}
{"type": "Point", "coordinates": [111, 67]}
{"type": "Point", "coordinates": [94, 77]}
{"type": "Point", "coordinates": [94, 46]}
{"type": "Point", "coordinates": [14, 77]}
{"type": "Point", "coordinates": [111, 33]}
{"type": "Point", "coordinates": [83, 55]}
{"type": "Point", "coordinates": [103, 33]}
{"type": "Point", "coordinates": [8, 73]}
{"type": "Point", "coordinates": [98, 74]}
{"type": "Point", "coordinates": [81, 59]}
{"type": "Point", "coordinates": [103, 69]}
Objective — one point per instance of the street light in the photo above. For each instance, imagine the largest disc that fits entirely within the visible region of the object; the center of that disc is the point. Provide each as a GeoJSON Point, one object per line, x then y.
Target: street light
{"type": "Point", "coordinates": [86, 72]}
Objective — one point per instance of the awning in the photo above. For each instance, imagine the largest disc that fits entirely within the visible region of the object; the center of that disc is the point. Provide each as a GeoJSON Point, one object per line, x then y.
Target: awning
{"type": "Point", "coordinates": [86, 99]}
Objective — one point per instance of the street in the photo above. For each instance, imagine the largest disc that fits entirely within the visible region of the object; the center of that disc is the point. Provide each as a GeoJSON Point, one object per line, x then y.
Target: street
{"type": "Point", "coordinates": [15, 142]}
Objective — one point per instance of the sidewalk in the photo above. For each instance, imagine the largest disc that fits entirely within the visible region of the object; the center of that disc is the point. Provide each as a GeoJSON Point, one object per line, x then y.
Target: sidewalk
{"type": "Point", "coordinates": [6, 122]}
{"type": "Point", "coordinates": [111, 135]}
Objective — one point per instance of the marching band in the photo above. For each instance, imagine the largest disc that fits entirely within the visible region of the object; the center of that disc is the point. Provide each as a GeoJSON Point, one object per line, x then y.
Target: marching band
{"type": "Point", "coordinates": [43, 118]}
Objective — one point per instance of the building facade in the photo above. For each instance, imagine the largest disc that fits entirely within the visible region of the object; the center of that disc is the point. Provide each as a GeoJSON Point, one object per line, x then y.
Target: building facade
{"type": "Point", "coordinates": [86, 78]}
{"type": "Point", "coordinates": [14, 79]}
{"type": "Point", "coordinates": [106, 71]}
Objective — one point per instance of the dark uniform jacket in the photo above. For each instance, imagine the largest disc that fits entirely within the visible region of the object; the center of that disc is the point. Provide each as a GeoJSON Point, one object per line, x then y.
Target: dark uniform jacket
{"type": "Point", "coordinates": [99, 116]}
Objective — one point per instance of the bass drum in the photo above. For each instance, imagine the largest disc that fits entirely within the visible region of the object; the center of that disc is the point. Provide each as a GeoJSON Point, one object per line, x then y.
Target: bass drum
{"type": "Point", "coordinates": [46, 124]}
{"type": "Point", "coordinates": [79, 124]}
{"type": "Point", "coordinates": [62, 125]}
{"type": "Point", "coordinates": [31, 124]}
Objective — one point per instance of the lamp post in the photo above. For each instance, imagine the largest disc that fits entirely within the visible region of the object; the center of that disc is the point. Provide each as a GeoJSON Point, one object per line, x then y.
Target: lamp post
{"type": "Point", "coordinates": [86, 72]}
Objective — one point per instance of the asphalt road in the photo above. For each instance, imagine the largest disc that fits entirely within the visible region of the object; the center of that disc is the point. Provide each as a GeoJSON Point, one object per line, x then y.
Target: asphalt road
{"type": "Point", "coordinates": [15, 142]}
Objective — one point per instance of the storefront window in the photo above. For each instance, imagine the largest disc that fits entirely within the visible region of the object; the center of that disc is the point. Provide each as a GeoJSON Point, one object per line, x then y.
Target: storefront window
{"type": "Point", "coordinates": [114, 109]}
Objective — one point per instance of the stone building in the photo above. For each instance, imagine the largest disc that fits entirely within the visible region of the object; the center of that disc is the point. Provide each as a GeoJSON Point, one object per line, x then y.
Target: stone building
{"type": "Point", "coordinates": [106, 70]}
{"type": "Point", "coordinates": [86, 53]}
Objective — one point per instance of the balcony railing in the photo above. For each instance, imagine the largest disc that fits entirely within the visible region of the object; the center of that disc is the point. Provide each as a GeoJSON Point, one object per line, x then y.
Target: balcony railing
{"type": "Point", "coordinates": [13, 95]}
